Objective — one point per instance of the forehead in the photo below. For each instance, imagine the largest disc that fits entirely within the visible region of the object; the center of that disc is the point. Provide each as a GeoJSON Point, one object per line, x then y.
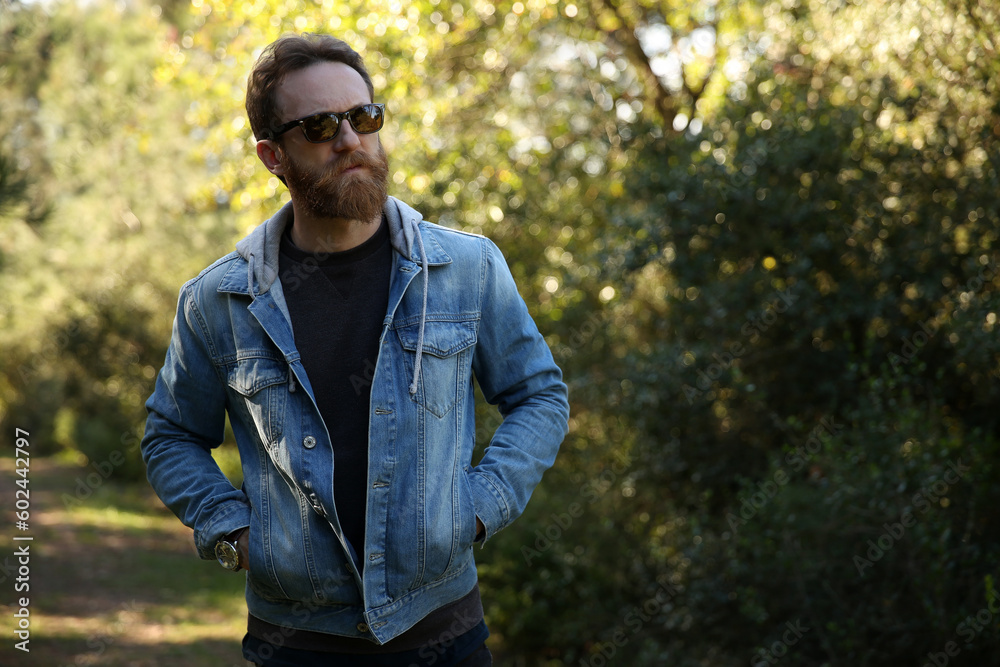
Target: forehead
{"type": "Point", "coordinates": [324, 86]}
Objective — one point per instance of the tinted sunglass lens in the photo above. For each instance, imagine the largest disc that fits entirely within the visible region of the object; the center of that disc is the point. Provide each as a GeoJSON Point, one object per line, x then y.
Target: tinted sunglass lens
{"type": "Point", "coordinates": [367, 119]}
{"type": "Point", "coordinates": [321, 127]}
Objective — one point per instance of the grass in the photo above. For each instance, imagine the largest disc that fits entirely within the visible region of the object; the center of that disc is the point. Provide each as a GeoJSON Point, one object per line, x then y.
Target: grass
{"type": "Point", "coordinates": [114, 580]}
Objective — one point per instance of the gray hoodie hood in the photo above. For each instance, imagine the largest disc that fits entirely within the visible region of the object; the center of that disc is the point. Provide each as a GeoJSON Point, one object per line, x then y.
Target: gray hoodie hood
{"type": "Point", "coordinates": [261, 249]}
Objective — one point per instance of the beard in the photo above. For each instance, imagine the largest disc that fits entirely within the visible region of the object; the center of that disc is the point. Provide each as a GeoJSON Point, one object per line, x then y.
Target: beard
{"type": "Point", "coordinates": [333, 194]}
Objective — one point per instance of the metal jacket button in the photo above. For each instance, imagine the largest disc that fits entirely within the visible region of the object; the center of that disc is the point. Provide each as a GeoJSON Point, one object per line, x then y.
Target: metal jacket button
{"type": "Point", "coordinates": [309, 442]}
{"type": "Point", "coordinates": [362, 627]}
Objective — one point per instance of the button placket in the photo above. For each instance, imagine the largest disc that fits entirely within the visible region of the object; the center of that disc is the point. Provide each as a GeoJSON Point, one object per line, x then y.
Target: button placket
{"type": "Point", "coordinates": [316, 504]}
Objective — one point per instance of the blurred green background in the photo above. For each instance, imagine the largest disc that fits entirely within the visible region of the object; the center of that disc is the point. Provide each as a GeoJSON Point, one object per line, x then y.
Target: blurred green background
{"type": "Point", "coordinates": [760, 238]}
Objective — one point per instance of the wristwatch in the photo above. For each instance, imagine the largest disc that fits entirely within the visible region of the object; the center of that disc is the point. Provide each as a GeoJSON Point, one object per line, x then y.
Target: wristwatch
{"type": "Point", "coordinates": [228, 553]}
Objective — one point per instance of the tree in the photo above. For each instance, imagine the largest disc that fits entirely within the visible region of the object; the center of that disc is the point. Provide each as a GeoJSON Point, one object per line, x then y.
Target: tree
{"type": "Point", "coordinates": [759, 238]}
{"type": "Point", "coordinates": [91, 286]}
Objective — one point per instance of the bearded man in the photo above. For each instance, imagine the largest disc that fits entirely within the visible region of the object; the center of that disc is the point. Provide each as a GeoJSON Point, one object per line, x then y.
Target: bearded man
{"type": "Point", "coordinates": [341, 338]}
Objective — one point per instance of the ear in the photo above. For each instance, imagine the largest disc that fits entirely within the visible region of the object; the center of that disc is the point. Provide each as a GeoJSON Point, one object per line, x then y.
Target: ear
{"type": "Point", "coordinates": [271, 155]}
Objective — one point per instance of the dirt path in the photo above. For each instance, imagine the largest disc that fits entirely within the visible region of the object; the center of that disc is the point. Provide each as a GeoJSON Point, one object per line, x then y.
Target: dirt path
{"type": "Point", "coordinates": [114, 578]}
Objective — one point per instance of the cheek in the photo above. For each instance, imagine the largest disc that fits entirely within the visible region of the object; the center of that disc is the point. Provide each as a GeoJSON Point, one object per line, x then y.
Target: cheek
{"type": "Point", "coordinates": [315, 160]}
{"type": "Point", "coordinates": [318, 156]}
{"type": "Point", "coordinates": [369, 143]}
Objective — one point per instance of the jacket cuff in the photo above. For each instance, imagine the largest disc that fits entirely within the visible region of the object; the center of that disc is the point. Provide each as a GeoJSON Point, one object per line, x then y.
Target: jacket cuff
{"type": "Point", "coordinates": [491, 507]}
{"type": "Point", "coordinates": [230, 517]}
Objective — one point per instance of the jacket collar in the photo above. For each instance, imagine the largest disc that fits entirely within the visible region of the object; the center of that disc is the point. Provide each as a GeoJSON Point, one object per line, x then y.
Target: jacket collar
{"type": "Point", "coordinates": [260, 248]}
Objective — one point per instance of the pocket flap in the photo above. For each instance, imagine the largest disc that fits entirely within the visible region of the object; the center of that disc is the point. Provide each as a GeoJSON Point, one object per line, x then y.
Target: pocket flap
{"type": "Point", "coordinates": [251, 375]}
{"type": "Point", "coordinates": [441, 339]}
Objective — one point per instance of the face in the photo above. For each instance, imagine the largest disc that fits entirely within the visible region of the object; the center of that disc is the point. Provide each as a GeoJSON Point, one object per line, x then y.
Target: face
{"type": "Point", "coordinates": [347, 177]}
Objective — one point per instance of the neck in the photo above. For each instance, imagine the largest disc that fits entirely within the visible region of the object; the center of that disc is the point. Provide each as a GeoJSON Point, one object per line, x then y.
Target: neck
{"type": "Point", "coordinates": [325, 235]}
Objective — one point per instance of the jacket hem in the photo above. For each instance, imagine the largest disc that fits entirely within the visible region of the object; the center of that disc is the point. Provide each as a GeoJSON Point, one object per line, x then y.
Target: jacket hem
{"type": "Point", "coordinates": [382, 623]}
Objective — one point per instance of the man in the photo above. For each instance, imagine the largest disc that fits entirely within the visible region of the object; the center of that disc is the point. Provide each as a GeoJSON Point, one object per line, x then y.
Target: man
{"type": "Point", "coordinates": [341, 338]}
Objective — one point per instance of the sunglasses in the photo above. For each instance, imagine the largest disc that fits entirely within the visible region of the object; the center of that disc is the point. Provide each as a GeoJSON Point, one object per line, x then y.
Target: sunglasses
{"type": "Point", "coordinates": [321, 127]}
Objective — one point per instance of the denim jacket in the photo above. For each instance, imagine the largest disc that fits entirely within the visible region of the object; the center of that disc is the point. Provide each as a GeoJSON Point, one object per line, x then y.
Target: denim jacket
{"type": "Point", "coordinates": [454, 312]}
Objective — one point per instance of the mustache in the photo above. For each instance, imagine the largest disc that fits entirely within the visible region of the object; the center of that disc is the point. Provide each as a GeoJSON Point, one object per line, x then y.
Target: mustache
{"type": "Point", "coordinates": [349, 161]}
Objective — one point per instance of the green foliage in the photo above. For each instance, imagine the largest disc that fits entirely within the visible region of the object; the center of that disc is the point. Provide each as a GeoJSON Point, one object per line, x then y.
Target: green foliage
{"type": "Point", "coordinates": [883, 548]}
{"type": "Point", "coordinates": [88, 303]}
{"type": "Point", "coordinates": [769, 275]}
{"type": "Point", "coordinates": [804, 262]}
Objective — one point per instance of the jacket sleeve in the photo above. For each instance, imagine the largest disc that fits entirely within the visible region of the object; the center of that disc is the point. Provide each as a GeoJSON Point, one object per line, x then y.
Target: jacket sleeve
{"type": "Point", "coordinates": [186, 419]}
{"type": "Point", "coordinates": [516, 371]}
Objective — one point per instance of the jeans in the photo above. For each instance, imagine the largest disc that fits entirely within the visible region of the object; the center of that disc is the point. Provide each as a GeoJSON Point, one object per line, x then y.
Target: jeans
{"type": "Point", "coordinates": [466, 650]}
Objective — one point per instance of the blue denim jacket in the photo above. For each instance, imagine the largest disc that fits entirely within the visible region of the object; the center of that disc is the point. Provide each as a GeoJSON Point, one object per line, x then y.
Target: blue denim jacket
{"type": "Point", "coordinates": [454, 312]}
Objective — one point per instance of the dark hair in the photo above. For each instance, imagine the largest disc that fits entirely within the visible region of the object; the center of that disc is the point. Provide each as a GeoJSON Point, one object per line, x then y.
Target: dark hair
{"type": "Point", "coordinates": [288, 54]}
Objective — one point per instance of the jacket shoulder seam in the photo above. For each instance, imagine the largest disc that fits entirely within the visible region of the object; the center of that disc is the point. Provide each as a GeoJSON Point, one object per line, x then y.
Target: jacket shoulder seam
{"type": "Point", "coordinates": [190, 291]}
{"type": "Point", "coordinates": [435, 227]}
{"type": "Point", "coordinates": [210, 268]}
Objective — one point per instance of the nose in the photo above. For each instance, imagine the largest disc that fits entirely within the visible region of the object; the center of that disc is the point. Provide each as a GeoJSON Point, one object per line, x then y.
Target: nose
{"type": "Point", "coordinates": [347, 140]}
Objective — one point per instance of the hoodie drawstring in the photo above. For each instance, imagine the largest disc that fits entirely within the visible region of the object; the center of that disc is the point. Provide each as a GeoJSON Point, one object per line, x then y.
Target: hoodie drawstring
{"type": "Point", "coordinates": [423, 314]}
{"type": "Point", "coordinates": [250, 276]}
{"type": "Point", "coordinates": [401, 237]}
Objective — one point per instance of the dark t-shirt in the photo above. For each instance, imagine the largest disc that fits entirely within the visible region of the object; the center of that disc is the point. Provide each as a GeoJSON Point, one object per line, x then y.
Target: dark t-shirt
{"type": "Point", "coordinates": [337, 302]}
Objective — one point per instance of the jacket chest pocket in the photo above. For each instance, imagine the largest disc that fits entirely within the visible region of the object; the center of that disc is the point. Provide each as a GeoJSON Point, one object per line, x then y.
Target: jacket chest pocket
{"type": "Point", "coordinates": [445, 363]}
{"type": "Point", "coordinates": [261, 387]}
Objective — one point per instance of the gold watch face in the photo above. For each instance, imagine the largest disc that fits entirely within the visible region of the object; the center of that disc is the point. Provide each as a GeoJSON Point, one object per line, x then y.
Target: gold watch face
{"type": "Point", "coordinates": [227, 554]}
